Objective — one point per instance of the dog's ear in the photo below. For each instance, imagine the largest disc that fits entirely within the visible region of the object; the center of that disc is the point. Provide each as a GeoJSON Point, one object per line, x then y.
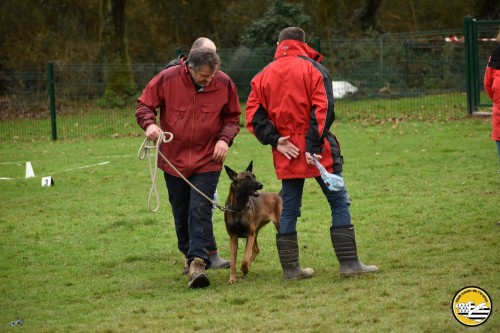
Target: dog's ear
{"type": "Point", "coordinates": [250, 166]}
{"type": "Point", "coordinates": [231, 173]}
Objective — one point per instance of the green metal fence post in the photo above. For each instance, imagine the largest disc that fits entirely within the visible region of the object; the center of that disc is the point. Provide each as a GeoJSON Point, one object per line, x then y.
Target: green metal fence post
{"type": "Point", "coordinates": [52, 100]}
{"type": "Point", "coordinates": [475, 64]}
{"type": "Point", "coordinates": [381, 61]}
{"type": "Point", "coordinates": [471, 63]}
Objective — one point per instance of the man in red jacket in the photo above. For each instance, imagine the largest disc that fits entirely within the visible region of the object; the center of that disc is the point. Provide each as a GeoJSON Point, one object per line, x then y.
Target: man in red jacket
{"type": "Point", "coordinates": [199, 105]}
{"type": "Point", "coordinates": [215, 260]}
{"type": "Point", "coordinates": [291, 108]}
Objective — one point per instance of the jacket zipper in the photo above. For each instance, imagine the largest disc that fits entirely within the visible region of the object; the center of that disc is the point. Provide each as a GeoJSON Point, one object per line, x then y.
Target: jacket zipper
{"type": "Point", "coordinates": [192, 131]}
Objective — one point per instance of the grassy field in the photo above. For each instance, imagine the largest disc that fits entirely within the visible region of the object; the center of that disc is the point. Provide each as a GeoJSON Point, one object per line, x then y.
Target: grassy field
{"type": "Point", "coordinates": [86, 255]}
{"type": "Point", "coordinates": [74, 122]}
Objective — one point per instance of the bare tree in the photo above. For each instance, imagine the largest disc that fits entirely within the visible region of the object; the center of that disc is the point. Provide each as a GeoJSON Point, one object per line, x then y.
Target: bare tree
{"type": "Point", "coordinates": [118, 73]}
{"type": "Point", "coordinates": [488, 9]}
{"type": "Point", "coordinates": [368, 16]}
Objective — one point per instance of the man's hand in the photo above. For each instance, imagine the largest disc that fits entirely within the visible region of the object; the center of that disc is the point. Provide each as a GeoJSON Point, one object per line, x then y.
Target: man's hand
{"type": "Point", "coordinates": [309, 158]}
{"type": "Point", "coordinates": [287, 148]}
{"type": "Point", "coordinates": [220, 151]}
{"type": "Point", "coordinates": [153, 132]}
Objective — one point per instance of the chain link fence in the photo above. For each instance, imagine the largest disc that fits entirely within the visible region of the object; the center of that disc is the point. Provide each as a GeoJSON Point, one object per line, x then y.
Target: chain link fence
{"type": "Point", "coordinates": [415, 76]}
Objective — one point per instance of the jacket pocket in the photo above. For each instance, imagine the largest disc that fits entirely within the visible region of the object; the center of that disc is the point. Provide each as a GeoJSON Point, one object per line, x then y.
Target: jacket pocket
{"type": "Point", "coordinates": [177, 112]}
{"type": "Point", "coordinates": [210, 113]}
{"type": "Point", "coordinates": [208, 122]}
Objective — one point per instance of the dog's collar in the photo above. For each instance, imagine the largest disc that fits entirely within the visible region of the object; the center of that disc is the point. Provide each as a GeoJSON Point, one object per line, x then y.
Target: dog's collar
{"type": "Point", "coordinates": [226, 208]}
{"type": "Point", "coordinates": [248, 205]}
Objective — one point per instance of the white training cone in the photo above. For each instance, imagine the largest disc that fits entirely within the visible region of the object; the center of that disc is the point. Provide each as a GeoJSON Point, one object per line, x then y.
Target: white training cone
{"type": "Point", "coordinates": [29, 170]}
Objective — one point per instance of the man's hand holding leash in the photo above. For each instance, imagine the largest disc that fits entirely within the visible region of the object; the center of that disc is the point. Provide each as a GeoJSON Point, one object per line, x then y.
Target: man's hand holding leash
{"type": "Point", "coordinates": [153, 132]}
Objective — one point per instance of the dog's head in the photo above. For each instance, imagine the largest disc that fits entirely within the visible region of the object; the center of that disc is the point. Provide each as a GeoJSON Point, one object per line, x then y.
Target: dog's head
{"type": "Point", "coordinates": [244, 182]}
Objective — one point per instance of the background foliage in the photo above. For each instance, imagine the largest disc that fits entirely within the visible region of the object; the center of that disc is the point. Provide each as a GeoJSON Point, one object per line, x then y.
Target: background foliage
{"type": "Point", "coordinates": [35, 32]}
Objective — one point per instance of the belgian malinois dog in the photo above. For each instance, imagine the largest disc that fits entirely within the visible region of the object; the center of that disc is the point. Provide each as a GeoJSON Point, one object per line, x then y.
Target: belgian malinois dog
{"type": "Point", "coordinates": [247, 211]}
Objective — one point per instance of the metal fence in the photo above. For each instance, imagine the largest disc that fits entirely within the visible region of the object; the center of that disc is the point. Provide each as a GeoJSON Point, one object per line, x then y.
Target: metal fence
{"type": "Point", "coordinates": [420, 75]}
{"type": "Point", "coordinates": [477, 33]}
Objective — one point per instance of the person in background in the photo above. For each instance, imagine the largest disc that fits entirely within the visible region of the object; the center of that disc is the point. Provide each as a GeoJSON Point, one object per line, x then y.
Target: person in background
{"type": "Point", "coordinates": [290, 107]}
{"type": "Point", "coordinates": [492, 88]}
{"type": "Point", "coordinates": [216, 261]}
{"type": "Point", "coordinates": [199, 105]}
{"type": "Point", "coordinates": [199, 42]}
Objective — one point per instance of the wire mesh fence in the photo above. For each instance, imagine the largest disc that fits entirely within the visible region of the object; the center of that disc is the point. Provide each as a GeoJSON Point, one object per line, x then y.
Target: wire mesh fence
{"type": "Point", "coordinates": [418, 76]}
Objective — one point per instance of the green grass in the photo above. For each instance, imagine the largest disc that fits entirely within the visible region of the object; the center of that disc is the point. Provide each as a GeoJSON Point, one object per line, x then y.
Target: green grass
{"type": "Point", "coordinates": [86, 255]}
{"type": "Point", "coordinates": [88, 120]}
{"type": "Point", "coordinates": [428, 107]}
{"type": "Point", "coordinates": [77, 123]}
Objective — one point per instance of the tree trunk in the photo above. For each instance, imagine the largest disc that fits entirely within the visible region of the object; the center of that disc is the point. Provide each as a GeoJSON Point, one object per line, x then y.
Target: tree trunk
{"type": "Point", "coordinates": [118, 74]}
{"type": "Point", "coordinates": [488, 9]}
{"type": "Point", "coordinates": [368, 16]}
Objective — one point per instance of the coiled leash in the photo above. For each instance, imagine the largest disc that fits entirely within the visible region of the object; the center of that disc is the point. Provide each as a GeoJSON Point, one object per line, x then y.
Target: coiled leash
{"type": "Point", "coordinates": [144, 150]}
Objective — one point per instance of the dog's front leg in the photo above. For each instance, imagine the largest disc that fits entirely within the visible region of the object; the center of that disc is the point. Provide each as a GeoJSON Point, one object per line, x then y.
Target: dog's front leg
{"type": "Point", "coordinates": [255, 251]}
{"type": "Point", "coordinates": [248, 253]}
{"type": "Point", "coordinates": [233, 246]}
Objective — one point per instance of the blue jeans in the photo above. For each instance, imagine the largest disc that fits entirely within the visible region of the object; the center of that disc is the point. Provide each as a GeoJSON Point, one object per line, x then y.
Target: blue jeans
{"type": "Point", "coordinates": [292, 190]}
{"type": "Point", "coordinates": [498, 148]}
{"type": "Point", "coordinates": [193, 213]}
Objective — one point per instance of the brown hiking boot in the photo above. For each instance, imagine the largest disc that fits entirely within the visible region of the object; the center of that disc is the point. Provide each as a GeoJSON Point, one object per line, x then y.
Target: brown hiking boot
{"type": "Point", "coordinates": [197, 276]}
{"type": "Point", "coordinates": [216, 262]}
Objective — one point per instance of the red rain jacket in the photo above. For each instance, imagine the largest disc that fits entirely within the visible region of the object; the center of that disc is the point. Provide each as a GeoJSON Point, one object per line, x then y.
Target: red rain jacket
{"type": "Point", "coordinates": [492, 88]}
{"type": "Point", "coordinates": [292, 96]}
{"type": "Point", "coordinates": [197, 120]}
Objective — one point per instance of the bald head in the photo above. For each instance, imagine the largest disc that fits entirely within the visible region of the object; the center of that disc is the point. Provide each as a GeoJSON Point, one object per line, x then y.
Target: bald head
{"type": "Point", "coordinates": [203, 42]}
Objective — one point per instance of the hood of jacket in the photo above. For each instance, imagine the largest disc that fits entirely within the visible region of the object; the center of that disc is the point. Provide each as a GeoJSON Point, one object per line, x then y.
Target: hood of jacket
{"type": "Point", "coordinates": [297, 48]}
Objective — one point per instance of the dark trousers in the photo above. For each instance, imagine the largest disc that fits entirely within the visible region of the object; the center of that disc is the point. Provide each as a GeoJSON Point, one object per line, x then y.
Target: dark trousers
{"type": "Point", "coordinates": [292, 190]}
{"type": "Point", "coordinates": [193, 213]}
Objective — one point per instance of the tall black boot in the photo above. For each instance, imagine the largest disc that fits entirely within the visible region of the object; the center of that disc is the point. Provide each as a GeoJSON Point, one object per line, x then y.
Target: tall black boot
{"type": "Point", "coordinates": [344, 244]}
{"type": "Point", "coordinates": [288, 251]}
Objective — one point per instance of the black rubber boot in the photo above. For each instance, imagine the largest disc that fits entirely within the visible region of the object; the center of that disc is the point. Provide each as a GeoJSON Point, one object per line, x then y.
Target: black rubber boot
{"type": "Point", "coordinates": [288, 251]}
{"type": "Point", "coordinates": [344, 244]}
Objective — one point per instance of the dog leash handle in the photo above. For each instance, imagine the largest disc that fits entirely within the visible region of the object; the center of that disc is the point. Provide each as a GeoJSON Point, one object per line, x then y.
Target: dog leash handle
{"type": "Point", "coordinates": [144, 151]}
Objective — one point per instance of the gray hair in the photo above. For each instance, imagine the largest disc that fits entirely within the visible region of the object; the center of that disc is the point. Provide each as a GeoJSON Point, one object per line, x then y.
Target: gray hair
{"type": "Point", "coordinates": [294, 33]}
{"type": "Point", "coordinates": [203, 57]}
